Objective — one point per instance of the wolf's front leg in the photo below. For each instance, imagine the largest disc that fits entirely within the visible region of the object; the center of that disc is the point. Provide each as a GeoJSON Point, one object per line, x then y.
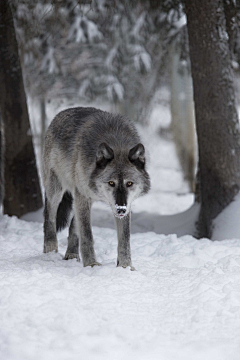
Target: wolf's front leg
{"type": "Point", "coordinates": [82, 208]}
{"type": "Point", "coordinates": [124, 251]}
{"type": "Point", "coordinates": [50, 237]}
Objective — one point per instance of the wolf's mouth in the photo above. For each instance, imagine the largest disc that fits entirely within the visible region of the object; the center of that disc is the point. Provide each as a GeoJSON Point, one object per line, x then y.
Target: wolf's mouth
{"type": "Point", "coordinates": [119, 216]}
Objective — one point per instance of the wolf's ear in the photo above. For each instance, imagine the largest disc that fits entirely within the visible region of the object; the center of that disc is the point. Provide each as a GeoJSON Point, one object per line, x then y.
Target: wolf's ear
{"type": "Point", "coordinates": [137, 156]}
{"type": "Point", "coordinates": [104, 155]}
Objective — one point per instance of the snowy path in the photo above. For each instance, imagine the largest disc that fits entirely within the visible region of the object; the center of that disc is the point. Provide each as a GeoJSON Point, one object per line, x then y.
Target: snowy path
{"type": "Point", "coordinates": [183, 302]}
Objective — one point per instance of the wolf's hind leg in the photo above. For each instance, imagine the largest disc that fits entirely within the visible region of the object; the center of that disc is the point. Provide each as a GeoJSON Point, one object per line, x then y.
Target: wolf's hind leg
{"type": "Point", "coordinates": [82, 208]}
{"type": "Point", "coordinates": [73, 243]}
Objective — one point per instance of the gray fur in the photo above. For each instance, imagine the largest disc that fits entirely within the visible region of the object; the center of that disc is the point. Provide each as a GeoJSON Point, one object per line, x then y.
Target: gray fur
{"type": "Point", "coordinates": [124, 251]}
{"type": "Point", "coordinates": [73, 243]}
{"type": "Point", "coordinates": [84, 150]}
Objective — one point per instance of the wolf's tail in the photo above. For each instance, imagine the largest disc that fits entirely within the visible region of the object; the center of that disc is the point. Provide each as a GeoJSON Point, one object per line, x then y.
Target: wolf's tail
{"type": "Point", "coordinates": [64, 210]}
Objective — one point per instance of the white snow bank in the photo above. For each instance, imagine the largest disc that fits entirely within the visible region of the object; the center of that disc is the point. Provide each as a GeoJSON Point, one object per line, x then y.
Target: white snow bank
{"type": "Point", "coordinates": [141, 222]}
{"type": "Point", "coordinates": [179, 224]}
{"type": "Point", "coordinates": [227, 223]}
{"type": "Point", "coordinates": [183, 302]}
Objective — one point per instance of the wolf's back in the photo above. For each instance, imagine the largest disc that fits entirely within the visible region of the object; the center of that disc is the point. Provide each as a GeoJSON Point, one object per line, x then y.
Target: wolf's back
{"type": "Point", "coordinates": [87, 128]}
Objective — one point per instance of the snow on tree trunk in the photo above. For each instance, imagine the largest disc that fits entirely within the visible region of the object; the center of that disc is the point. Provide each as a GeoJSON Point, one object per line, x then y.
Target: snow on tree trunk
{"type": "Point", "coordinates": [216, 116]}
{"type": "Point", "coordinates": [22, 190]}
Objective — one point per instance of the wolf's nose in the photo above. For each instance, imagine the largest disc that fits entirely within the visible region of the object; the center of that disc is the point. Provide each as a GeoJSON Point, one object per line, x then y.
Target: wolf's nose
{"type": "Point", "coordinates": [121, 211]}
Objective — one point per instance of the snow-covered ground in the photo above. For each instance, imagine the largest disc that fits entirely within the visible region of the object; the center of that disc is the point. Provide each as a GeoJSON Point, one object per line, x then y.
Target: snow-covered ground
{"type": "Point", "coordinates": [183, 302]}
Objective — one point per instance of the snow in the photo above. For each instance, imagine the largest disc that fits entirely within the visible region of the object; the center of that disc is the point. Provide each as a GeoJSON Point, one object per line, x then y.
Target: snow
{"type": "Point", "coordinates": [115, 89]}
{"type": "Point", "coordinates": [182, 302]}
{"type": "Point", "coordinates": [77, 32]}
{"type": "Point", "coordinates": [142, 58]}
{"type": "Point", "coordinates": [49, 62]}
{"type": "Point", "coordinates": [92, 30]}
{"type": "Point", "coordinates": [110, 58]}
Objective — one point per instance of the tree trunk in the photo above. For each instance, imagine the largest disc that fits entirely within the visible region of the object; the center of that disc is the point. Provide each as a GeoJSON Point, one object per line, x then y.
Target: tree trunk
{"type": "Point", "coordinates": [216, 116]}
{"type": "Point", "coordinates": [1, 163]}
{"type": "Point", "coordinates": [22, 190]}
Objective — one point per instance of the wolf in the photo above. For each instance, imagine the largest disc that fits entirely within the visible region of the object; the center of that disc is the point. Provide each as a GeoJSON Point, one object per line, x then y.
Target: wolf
{"type": "Point", "coordinates": [90, 155]}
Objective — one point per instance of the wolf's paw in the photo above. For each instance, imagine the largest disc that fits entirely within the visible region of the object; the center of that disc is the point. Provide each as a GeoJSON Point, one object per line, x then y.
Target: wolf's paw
{"type": "Point", "coordinates": [132, 268]}
{"type": "Point", "coordinates": [92, 264]}
{"type": "Point", "coordinates": [95, 263]}
{"type": "Point", "coordinates": [50, 246]}
{"type": "Point", "coordinates": [125, 264]}
{"type": "Point", "coordinates": [70, 256]}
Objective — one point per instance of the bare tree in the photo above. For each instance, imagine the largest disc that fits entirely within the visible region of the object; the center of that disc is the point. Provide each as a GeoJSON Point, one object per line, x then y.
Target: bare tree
{"type": "Point", "coordinates": [216, 116]}
{"type": "Point", "coordinates": [22, 189]}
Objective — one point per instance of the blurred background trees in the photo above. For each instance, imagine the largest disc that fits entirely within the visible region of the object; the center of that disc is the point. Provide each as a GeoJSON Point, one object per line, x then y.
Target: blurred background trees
{"type": "Point", "coordinates": [111, 50]}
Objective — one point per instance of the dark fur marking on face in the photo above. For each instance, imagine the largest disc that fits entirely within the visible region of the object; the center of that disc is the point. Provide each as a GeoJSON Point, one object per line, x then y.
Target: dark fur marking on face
{"type": "Point", "coordinates": [121, 193]}
{"type": "Point", "coordinates": [120, 196]}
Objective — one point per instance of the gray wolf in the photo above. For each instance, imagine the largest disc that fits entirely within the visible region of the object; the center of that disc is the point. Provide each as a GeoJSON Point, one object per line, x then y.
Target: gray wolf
{"type": "Point", "coordinates": [91, 155]}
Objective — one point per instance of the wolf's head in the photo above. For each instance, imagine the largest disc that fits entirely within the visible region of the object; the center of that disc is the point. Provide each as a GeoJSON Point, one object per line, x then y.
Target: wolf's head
{"type": "Point", "coordinates": [120, 177]}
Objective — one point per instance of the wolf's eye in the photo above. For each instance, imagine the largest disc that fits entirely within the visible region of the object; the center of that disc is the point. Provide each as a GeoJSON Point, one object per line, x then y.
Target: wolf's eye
{"type": "Point", "coordinates": [111, 183]}
{"type": "Point", "coordinates": [129, 183]}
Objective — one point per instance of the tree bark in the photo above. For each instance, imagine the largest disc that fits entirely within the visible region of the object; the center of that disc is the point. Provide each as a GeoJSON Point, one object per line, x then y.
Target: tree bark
{"type": "Point", "coordinates": [22, 189]}
{"type": "Point", "coordinates": [216, 116]}
{"type": "Point", "coordinates": [1, 163]}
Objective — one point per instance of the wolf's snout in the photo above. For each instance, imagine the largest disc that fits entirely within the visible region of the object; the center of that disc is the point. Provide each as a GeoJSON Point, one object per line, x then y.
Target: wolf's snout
{"type": "Point", "coordinates": [121, 211]}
